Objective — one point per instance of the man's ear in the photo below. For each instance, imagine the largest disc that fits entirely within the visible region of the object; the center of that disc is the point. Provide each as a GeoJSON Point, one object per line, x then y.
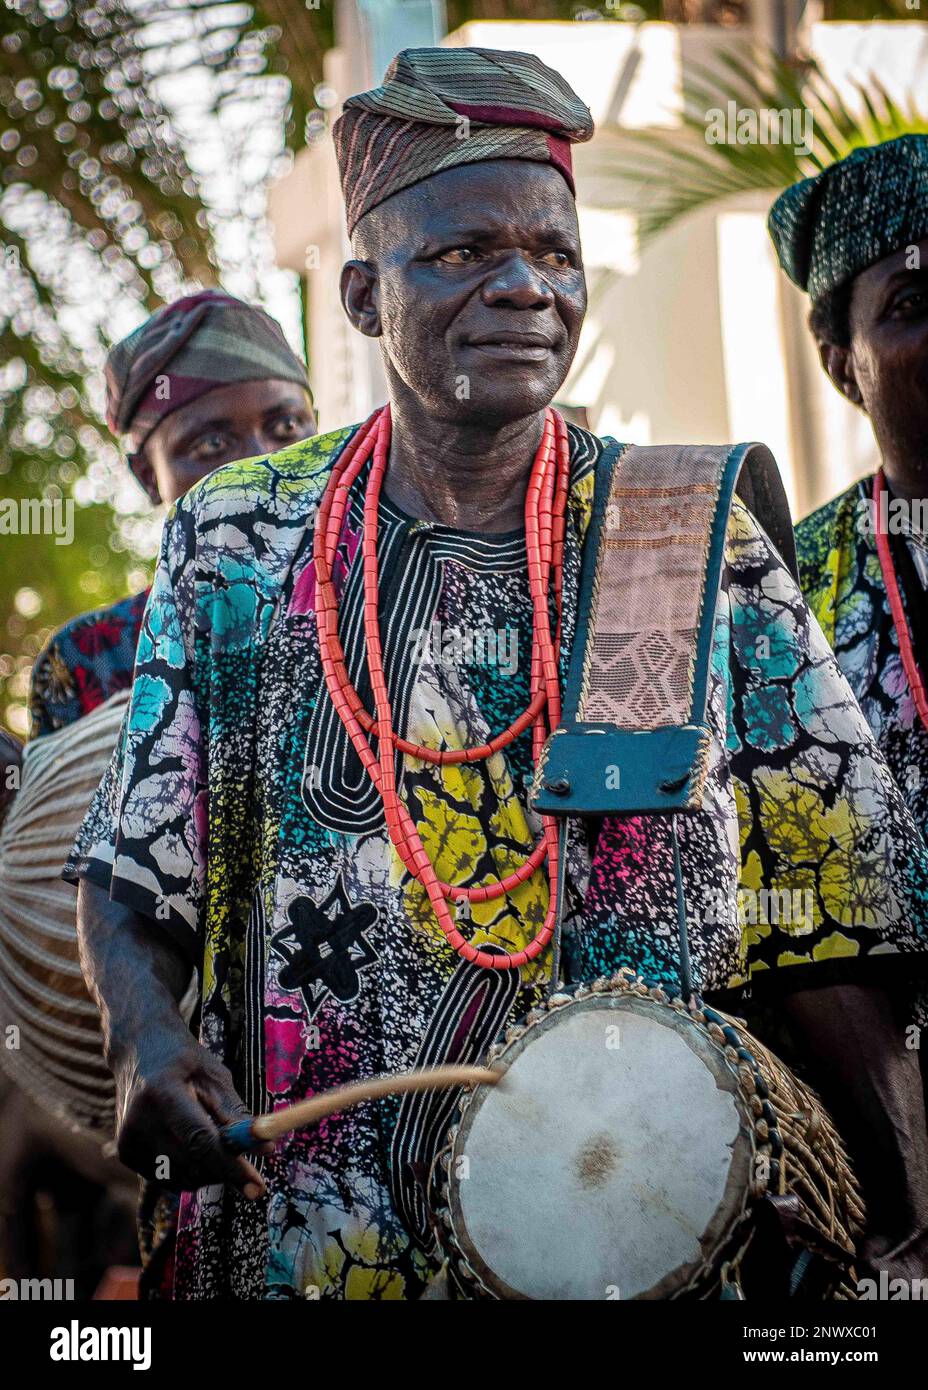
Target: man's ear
{"type": "Point", "coordinates": [839, 364]}
{"type": "Point", "coordinates": [144, 475]}
{"type": "Point", "coordinates": [361, 297]}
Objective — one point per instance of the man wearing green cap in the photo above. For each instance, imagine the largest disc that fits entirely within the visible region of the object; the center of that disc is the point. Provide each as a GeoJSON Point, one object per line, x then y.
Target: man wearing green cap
{"type": "Point", "coordinates": [855, 237]}
{"type": "Point", "coordinates": [371, 892]}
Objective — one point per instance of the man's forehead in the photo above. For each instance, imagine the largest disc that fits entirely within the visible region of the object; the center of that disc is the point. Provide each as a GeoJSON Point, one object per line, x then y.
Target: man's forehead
{"type": "Point", "coordinates": [496, 197]}
{"type": "Point", "coordinates": [495, 224]}
{"type": "Point", "coordinates": [225, 405]}
{"type": "Point", "coordinates": [902, 262]}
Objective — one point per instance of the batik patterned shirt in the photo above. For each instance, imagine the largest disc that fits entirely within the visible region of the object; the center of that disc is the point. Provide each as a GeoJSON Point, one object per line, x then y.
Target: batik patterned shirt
{"type": "Point", "coordinates": [238, 819]}
{"type": "Point", "coordinates": [84, 663]}
{"type": "Point", "coordinates": [843, 583]}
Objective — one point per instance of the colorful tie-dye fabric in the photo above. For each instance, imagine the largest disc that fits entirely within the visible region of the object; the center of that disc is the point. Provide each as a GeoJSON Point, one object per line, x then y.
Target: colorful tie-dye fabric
{"type": "Point", "coordinates": [841, 579]}
{"type": "Point", "coordinates": [84, 663]}
{"type": "Point", "coordinates": [236, 816]}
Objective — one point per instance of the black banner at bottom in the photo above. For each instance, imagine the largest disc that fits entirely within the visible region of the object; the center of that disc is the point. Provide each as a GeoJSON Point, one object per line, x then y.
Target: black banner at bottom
{"type": "Point", "coordinates": [164, 1341]}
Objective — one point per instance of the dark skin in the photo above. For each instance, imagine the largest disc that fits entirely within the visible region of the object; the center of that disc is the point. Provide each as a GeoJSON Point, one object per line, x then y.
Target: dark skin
{"type": "Point", "coordinates": [169, 1073]}
{"type": "Point", "coordinates": [242, 420]}
{"type": "Point", "coordinates": [525, 282]}
{"type": "Point", "coordinates": [239, 421]}
{"type": "Point", "coordinates": [473, 282]}
{"type": "Point", "coordinates": [171, 1094]}
{"type": "Point", "coordinates": [474, 274]}
{"type": "Point", "coordinates": [884, 371]}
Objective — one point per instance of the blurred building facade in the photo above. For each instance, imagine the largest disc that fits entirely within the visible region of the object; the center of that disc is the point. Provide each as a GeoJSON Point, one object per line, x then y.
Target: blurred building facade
{"type": "Point", "coordinates": [696, 337]}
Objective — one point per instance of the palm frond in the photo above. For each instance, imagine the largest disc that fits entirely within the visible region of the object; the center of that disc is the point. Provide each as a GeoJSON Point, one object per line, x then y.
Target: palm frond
{"type": "Point", "coordinates": [666, 174]}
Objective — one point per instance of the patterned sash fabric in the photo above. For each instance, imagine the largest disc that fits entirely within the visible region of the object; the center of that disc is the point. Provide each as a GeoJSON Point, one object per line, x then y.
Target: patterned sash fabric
{"type": "Point", "coordinates": [440, 107]}
{"type": "Point", "coordinates": [646, 607]}
{"type": "Point", "coordinates": [634, 736]}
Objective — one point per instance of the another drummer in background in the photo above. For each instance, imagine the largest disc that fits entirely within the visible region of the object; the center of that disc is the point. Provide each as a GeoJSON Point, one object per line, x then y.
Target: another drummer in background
{"type": "Point", "coordinates": [238, 828]}
{"type": "Point", "coordinates": [205, 380]}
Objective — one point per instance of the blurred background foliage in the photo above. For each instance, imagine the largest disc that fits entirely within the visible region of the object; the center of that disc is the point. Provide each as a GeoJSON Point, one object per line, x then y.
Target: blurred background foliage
{"type": "Point", "coordinates": [666, 174]}
{"type": "Point", "coordinates": [137, 140]}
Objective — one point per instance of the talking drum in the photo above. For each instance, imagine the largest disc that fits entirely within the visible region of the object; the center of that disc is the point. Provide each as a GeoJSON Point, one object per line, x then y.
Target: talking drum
{"type": "Point", "coordinates": [636, 1148]}
{"type": "Point", "coordinates": [57, 1058]}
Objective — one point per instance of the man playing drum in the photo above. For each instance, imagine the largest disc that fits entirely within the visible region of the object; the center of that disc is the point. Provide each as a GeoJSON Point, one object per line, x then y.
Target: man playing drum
{"type": "Point", "coordinates": [330, 628]}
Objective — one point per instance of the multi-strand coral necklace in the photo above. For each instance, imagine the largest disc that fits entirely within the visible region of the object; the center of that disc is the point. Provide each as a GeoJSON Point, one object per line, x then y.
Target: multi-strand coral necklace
{"type": "Point", "coordinates": [545, 506]}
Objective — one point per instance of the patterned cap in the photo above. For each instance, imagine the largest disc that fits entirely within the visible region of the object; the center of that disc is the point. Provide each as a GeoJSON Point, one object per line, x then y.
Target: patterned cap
{"type": "Point", "coordinates": [829, 228]}
{"type": "Point", "coordinates": [185, 349]}
{"type": "Point", "coordinates": [439, 107]}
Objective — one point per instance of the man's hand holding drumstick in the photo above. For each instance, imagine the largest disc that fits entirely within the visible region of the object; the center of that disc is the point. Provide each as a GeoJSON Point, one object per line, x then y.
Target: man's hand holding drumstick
{"type": "Point", "coordinates": [172, 1095]}
{"type": "Point", "coordinates": [180, 1121]}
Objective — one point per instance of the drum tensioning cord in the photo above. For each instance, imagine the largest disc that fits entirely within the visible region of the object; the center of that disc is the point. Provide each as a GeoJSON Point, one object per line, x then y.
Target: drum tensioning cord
{"type": "Point", "coordinates": [686, 970]}
{"type": "Point", "coordinates": [555, 981]}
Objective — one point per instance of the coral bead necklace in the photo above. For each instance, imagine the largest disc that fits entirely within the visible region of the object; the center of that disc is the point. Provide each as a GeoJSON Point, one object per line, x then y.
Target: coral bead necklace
{"type": "Point", "coordinates": [545, 507]}
{"type": "Point", "coordinates": [900, 622]}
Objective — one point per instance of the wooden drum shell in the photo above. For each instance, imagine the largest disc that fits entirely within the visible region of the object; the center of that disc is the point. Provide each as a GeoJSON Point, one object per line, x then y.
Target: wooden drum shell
{"type": "Point", "coordinates": [59, 1058]}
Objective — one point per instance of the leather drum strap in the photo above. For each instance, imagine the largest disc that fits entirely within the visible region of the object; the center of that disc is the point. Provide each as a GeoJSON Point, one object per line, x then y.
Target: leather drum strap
{"type": "Point", "coordinates": [634, 737]}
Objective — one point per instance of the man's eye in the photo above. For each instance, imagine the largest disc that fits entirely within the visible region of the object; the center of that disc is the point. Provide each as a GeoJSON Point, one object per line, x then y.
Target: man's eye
{"type": "Point", "coordinates": [557, 258]}
{"type": "Point", "coordinates": [459, 255]}
{"type": "Point", "coordinates": [911, 302]}
{"type": "Point", "coordinates": [210, 445]}
{"type": "Point", "coordinates": [287, 425]}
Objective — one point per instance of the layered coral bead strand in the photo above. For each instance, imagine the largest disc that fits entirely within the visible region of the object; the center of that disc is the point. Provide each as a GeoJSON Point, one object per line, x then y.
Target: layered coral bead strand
{"type": "Point", "coordinates": [900, 622]}
{"type": "Point", "coordinates": [545, 510]}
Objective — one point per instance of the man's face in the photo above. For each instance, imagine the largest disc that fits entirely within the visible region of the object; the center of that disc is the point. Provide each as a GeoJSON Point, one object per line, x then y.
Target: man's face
{"type": "Point", "coordinates": [886, 367]}
{"type": "Point", "coordinates": [473, 280]}
{"type": "Point", "coordinates": [239, 421]}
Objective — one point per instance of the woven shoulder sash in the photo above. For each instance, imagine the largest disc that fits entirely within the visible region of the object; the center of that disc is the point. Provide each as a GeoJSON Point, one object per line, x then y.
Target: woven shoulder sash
{"type": "Point", "coordinates": [634, 737]}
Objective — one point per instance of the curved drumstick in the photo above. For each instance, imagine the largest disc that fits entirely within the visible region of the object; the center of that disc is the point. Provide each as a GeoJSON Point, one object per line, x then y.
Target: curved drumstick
{"type": "Point", "coordinates": [242, 1135]}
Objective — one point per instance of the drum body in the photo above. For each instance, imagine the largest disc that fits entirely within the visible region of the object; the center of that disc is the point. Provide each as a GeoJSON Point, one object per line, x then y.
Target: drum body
{"type": "Point", "coordinates": [57, 1052]}
{"type": "Point", "coordinates": [624, 1152]}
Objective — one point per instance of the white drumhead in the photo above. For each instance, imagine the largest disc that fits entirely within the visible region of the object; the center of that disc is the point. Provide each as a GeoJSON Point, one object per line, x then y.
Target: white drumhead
{"type": "Point", "coordinates": [611, 1151]}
